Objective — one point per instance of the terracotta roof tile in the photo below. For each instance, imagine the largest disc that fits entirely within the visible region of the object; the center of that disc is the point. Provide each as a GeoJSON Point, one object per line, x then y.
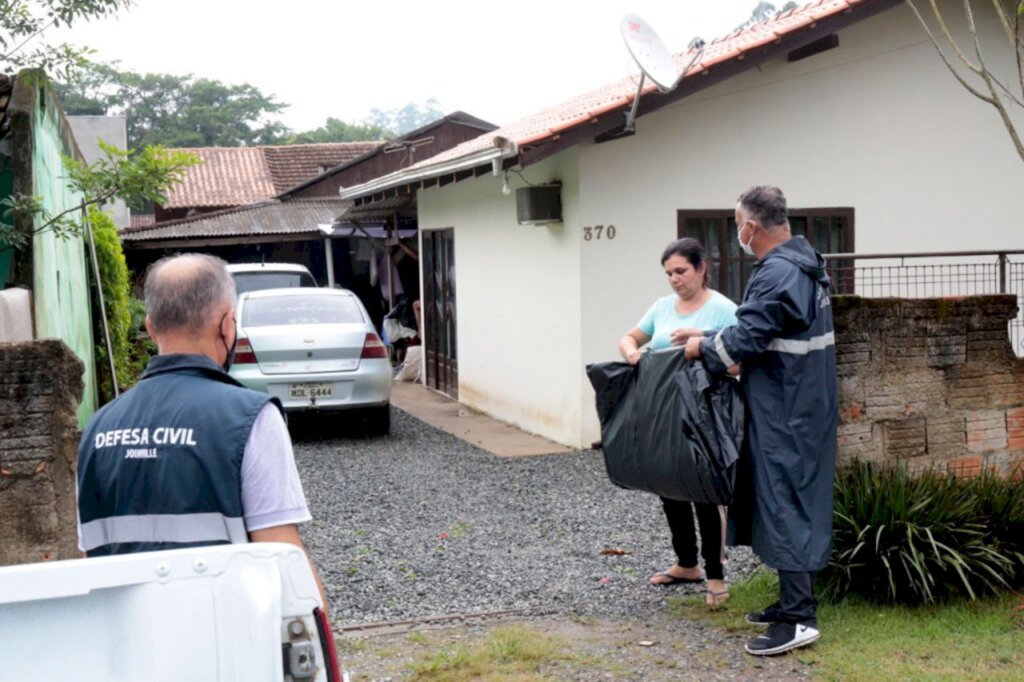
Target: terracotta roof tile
{"type": "Point", "coordinates": [294, 164]}
{"type": "Point", "coordinates": [234, 176]}
{"type": "Point", "coordinates": [226, 176]}
{"type": "Point", "coordinates": [582, 108]}
{"type": "Point", "coordinates": [142, 220]}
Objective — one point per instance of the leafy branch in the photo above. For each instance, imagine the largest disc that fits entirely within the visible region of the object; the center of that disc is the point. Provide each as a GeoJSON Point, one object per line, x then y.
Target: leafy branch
{"type": "Point", "coordinates": [132, 177]}
{"type": "Point", "coordinates": [22, 23]}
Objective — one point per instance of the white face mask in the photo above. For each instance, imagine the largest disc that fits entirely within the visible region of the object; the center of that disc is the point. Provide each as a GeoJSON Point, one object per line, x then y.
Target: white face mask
{"type": "Point", "coordinates": [747, 249]}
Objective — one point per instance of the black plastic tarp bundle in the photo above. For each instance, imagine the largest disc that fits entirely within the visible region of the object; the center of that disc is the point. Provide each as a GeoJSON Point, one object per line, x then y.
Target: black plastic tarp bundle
{"type": "Point", "coordinates": [669, 427]}
{"type": "Point", "coordinates": [400, 322]}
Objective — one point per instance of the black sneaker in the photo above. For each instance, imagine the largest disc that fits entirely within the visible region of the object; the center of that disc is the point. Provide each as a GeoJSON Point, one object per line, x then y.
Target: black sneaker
{"type": "Point", "coordinates": [782, 637]}
{"type": "Point", "coordinates": [764, 618]}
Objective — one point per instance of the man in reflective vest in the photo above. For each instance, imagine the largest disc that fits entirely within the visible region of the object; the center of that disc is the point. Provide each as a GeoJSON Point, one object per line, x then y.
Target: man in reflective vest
{"type": "Point", "coordinates": [785, 344]}
{"type": "Point", "coordinates": [188, 457]}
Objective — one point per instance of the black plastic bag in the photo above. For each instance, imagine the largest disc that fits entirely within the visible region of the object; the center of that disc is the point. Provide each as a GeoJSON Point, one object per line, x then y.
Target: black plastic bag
{"type": "Point", "coordinates": [670, 427]}
{"type": "Point", "coordinates": [403, 312]}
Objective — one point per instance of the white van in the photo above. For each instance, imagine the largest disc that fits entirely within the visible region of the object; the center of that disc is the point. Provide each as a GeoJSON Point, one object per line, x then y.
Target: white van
{"type": "Point", "coordinates": [259, 276]}
{"type": "Point", "coordinates": [239, 613]}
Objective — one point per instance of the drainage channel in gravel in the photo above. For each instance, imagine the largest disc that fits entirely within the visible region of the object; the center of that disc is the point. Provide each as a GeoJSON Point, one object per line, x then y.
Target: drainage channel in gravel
{"type": "Point", "coordinates": [422, 524]}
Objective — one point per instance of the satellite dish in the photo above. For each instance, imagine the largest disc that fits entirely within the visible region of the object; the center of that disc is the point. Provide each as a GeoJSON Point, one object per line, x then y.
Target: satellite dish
{"type": "Point", "coordinates": [647, 50]}
{"type": "Point", "coordinates": [655, 62]}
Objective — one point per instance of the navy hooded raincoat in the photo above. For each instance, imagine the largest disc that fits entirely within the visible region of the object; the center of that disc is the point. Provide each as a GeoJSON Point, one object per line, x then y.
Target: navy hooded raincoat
{"type": "Point", "coordinates": [785, 343]}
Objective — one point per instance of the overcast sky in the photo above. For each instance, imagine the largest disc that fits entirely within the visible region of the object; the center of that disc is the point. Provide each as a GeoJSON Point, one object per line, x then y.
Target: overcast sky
{"type": "Point", "coordinates": [496, 60]}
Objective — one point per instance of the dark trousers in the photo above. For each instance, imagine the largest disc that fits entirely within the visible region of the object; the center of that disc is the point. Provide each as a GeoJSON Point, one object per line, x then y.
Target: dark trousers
{"type": "Point", "coordinates": [796, 598]}
{"type": "Point", "coordinates": [711, 519]}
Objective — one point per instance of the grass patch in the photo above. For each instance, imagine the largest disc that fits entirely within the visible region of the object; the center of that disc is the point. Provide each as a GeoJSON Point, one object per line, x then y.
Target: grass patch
{"type": "Point", "coordinates": [418, 638]}
{"type": "Point", "coordinates": [460, 529]}
{"type": "Point", "coordinates": [513, 652]}
{"type": "Point", "coordinates": [348, 647]}
{"type": "Point", "coordinates": [865, 641]}
{"type": "Point", "coordinates": [386, 653]}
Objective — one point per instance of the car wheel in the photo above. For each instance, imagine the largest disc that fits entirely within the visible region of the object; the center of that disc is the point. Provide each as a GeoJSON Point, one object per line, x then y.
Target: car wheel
{"type": "Point", "coordinates": [378, 421]}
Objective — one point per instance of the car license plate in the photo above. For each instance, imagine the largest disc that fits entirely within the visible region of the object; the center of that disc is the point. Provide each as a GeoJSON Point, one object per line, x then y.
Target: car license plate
{"type": "Point", "coordinates": [310, 391]}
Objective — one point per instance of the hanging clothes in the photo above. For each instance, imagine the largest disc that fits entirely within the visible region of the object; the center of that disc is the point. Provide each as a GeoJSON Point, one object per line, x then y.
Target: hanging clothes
{"type": "Point", "coordinates": [386, 272]}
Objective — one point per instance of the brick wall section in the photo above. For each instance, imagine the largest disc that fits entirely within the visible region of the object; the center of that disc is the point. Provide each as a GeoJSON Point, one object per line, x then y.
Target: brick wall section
{"type": "Point", "coordinates": [40, 388]}
{"type": "Point", "coordinates": [930, 382]}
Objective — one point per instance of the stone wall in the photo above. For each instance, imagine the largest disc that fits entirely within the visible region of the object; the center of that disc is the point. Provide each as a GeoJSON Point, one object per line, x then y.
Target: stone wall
{"type": "Point", "coordinates": [930, 382]}
{"type": "Point", "coordinates": [40, 388]}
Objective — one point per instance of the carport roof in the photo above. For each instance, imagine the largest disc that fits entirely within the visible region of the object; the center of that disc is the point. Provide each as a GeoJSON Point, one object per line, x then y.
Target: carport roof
{"type": "Point", "coordinates": [263, 221]}
{"type": "Point", "coordinates": [378, 210]}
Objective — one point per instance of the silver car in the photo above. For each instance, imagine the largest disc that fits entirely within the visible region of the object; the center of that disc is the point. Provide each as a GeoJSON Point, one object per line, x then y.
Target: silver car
{"type": "Point", "coordinates": [314, 349]}
{"type": "Point", "coordinates": [255, 276]}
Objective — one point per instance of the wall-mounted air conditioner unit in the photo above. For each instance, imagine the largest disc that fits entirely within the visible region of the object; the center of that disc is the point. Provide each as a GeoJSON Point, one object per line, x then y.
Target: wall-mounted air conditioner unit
{"type": "Point", "coordinates": [539, 204]}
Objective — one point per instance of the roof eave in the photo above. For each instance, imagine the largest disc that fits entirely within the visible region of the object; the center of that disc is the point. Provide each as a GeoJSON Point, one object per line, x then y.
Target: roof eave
{"type": "Point", "coordinates": [456, 117]}
{"type": "Point", "coordinates": [604, 120]}
{"type": "Point", "coordinates": [503, 149]}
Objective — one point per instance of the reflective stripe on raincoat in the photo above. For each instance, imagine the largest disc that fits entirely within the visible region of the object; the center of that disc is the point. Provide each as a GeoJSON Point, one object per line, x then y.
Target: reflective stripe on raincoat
{"type": "Point", "coordinates": [785, 342]}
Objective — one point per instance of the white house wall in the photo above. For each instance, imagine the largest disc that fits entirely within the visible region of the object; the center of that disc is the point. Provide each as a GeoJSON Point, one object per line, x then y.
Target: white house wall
{"type": "Point", "coordinates": [517, 300]}
{"type": "Point", "coordinates": [877, 124]}
{"type": "Point", "coordinates": [88, 131]}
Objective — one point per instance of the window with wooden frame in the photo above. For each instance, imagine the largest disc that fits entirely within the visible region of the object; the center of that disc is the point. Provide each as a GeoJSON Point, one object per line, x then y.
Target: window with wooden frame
{"type": "Point", "coordinates": [829, 230]}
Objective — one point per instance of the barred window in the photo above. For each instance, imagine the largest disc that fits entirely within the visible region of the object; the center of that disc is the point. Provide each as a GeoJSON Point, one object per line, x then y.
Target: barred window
{"type": "Point", "coordinates": [829, 230]}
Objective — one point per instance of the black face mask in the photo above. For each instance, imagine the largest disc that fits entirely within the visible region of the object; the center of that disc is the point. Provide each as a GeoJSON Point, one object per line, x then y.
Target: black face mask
{"type": "Point", "coordinates": [231, 351]}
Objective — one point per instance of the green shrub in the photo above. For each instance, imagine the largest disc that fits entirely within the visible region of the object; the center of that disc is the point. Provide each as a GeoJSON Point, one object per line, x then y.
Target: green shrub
{"type": "Point", "coordinates": [122, 311]}
{"type": "Point", "coordinates": [1000, 506]}
{"type": "Point", "coordinates": [925, 537]}
{"type": "Point", "coordinates": [143, 347]}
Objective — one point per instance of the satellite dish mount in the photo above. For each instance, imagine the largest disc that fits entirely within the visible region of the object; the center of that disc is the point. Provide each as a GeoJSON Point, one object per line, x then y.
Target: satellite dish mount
{"type": "Point", "coordinates": [654, 60]}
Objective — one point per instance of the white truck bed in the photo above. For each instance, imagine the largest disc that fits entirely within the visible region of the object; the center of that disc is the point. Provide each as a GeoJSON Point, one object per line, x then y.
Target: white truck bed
{"type": "Point", "coordinates": [239, 613]}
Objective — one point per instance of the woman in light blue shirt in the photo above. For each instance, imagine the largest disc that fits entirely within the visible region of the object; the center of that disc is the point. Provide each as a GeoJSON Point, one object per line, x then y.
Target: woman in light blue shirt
{"type": "Point", "coordinates": [692, 307]}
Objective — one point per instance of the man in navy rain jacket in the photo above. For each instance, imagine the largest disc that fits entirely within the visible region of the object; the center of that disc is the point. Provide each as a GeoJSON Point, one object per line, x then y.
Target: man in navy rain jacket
{"type": "Point", "coordinates": [785, 344]}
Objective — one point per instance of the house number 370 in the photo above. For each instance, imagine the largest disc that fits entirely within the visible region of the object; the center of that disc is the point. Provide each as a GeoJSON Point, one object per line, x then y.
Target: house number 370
{"type": "Point", "coordinates": [597, 232]}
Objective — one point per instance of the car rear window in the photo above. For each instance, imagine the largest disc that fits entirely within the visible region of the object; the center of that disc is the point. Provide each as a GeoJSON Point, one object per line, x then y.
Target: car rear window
{"type": "Point", "coordinates": [256, 281]}
{"type": "Point", "coordinates": [275, 310]}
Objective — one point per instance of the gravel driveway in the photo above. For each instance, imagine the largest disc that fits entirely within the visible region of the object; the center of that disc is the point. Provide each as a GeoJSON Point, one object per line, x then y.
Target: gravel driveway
{"type": "Point", "coordinates": [421, 523]}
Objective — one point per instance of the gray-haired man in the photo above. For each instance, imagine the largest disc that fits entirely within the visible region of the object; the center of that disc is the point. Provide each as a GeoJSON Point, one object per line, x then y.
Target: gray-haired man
{"type": "Point", "coordinates": [188, 457]}
{"type": "Point", "coordinates": [785, 344]}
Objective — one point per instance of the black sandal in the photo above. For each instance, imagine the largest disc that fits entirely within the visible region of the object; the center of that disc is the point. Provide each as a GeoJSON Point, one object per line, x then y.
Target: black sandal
{"type": "Point", "coordinates": [718, 599]}
{"type": "Point", "coordinates": [674, 580]}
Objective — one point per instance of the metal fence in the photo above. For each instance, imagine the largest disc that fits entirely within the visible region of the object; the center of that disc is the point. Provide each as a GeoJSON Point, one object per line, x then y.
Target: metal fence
{"type": "Point", "coordinates": [925, 275]}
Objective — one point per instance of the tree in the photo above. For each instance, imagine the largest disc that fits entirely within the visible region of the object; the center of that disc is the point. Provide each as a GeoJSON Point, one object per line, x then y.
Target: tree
{"type": "Point", "coordinates": [23, 22]}
{"type": "Point", "coordinates": [408, 118]}
{"type": "Point", "coordinates": [974, 74]}
{"type": "Point", "coordinates": [177, 111]}
{"type": "Point", "coordinates": [134, 177]}
{"type": "Point", "coordinates": [764, 11]}
{"type": "Point", "coordinates": [185, 111]}
{"type": "Point", "coordinates": [336, 130]}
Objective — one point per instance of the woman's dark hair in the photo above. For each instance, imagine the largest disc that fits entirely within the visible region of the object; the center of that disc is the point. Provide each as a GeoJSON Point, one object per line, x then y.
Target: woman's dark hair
{"type": "Point", "coordinates": [691, 250]}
